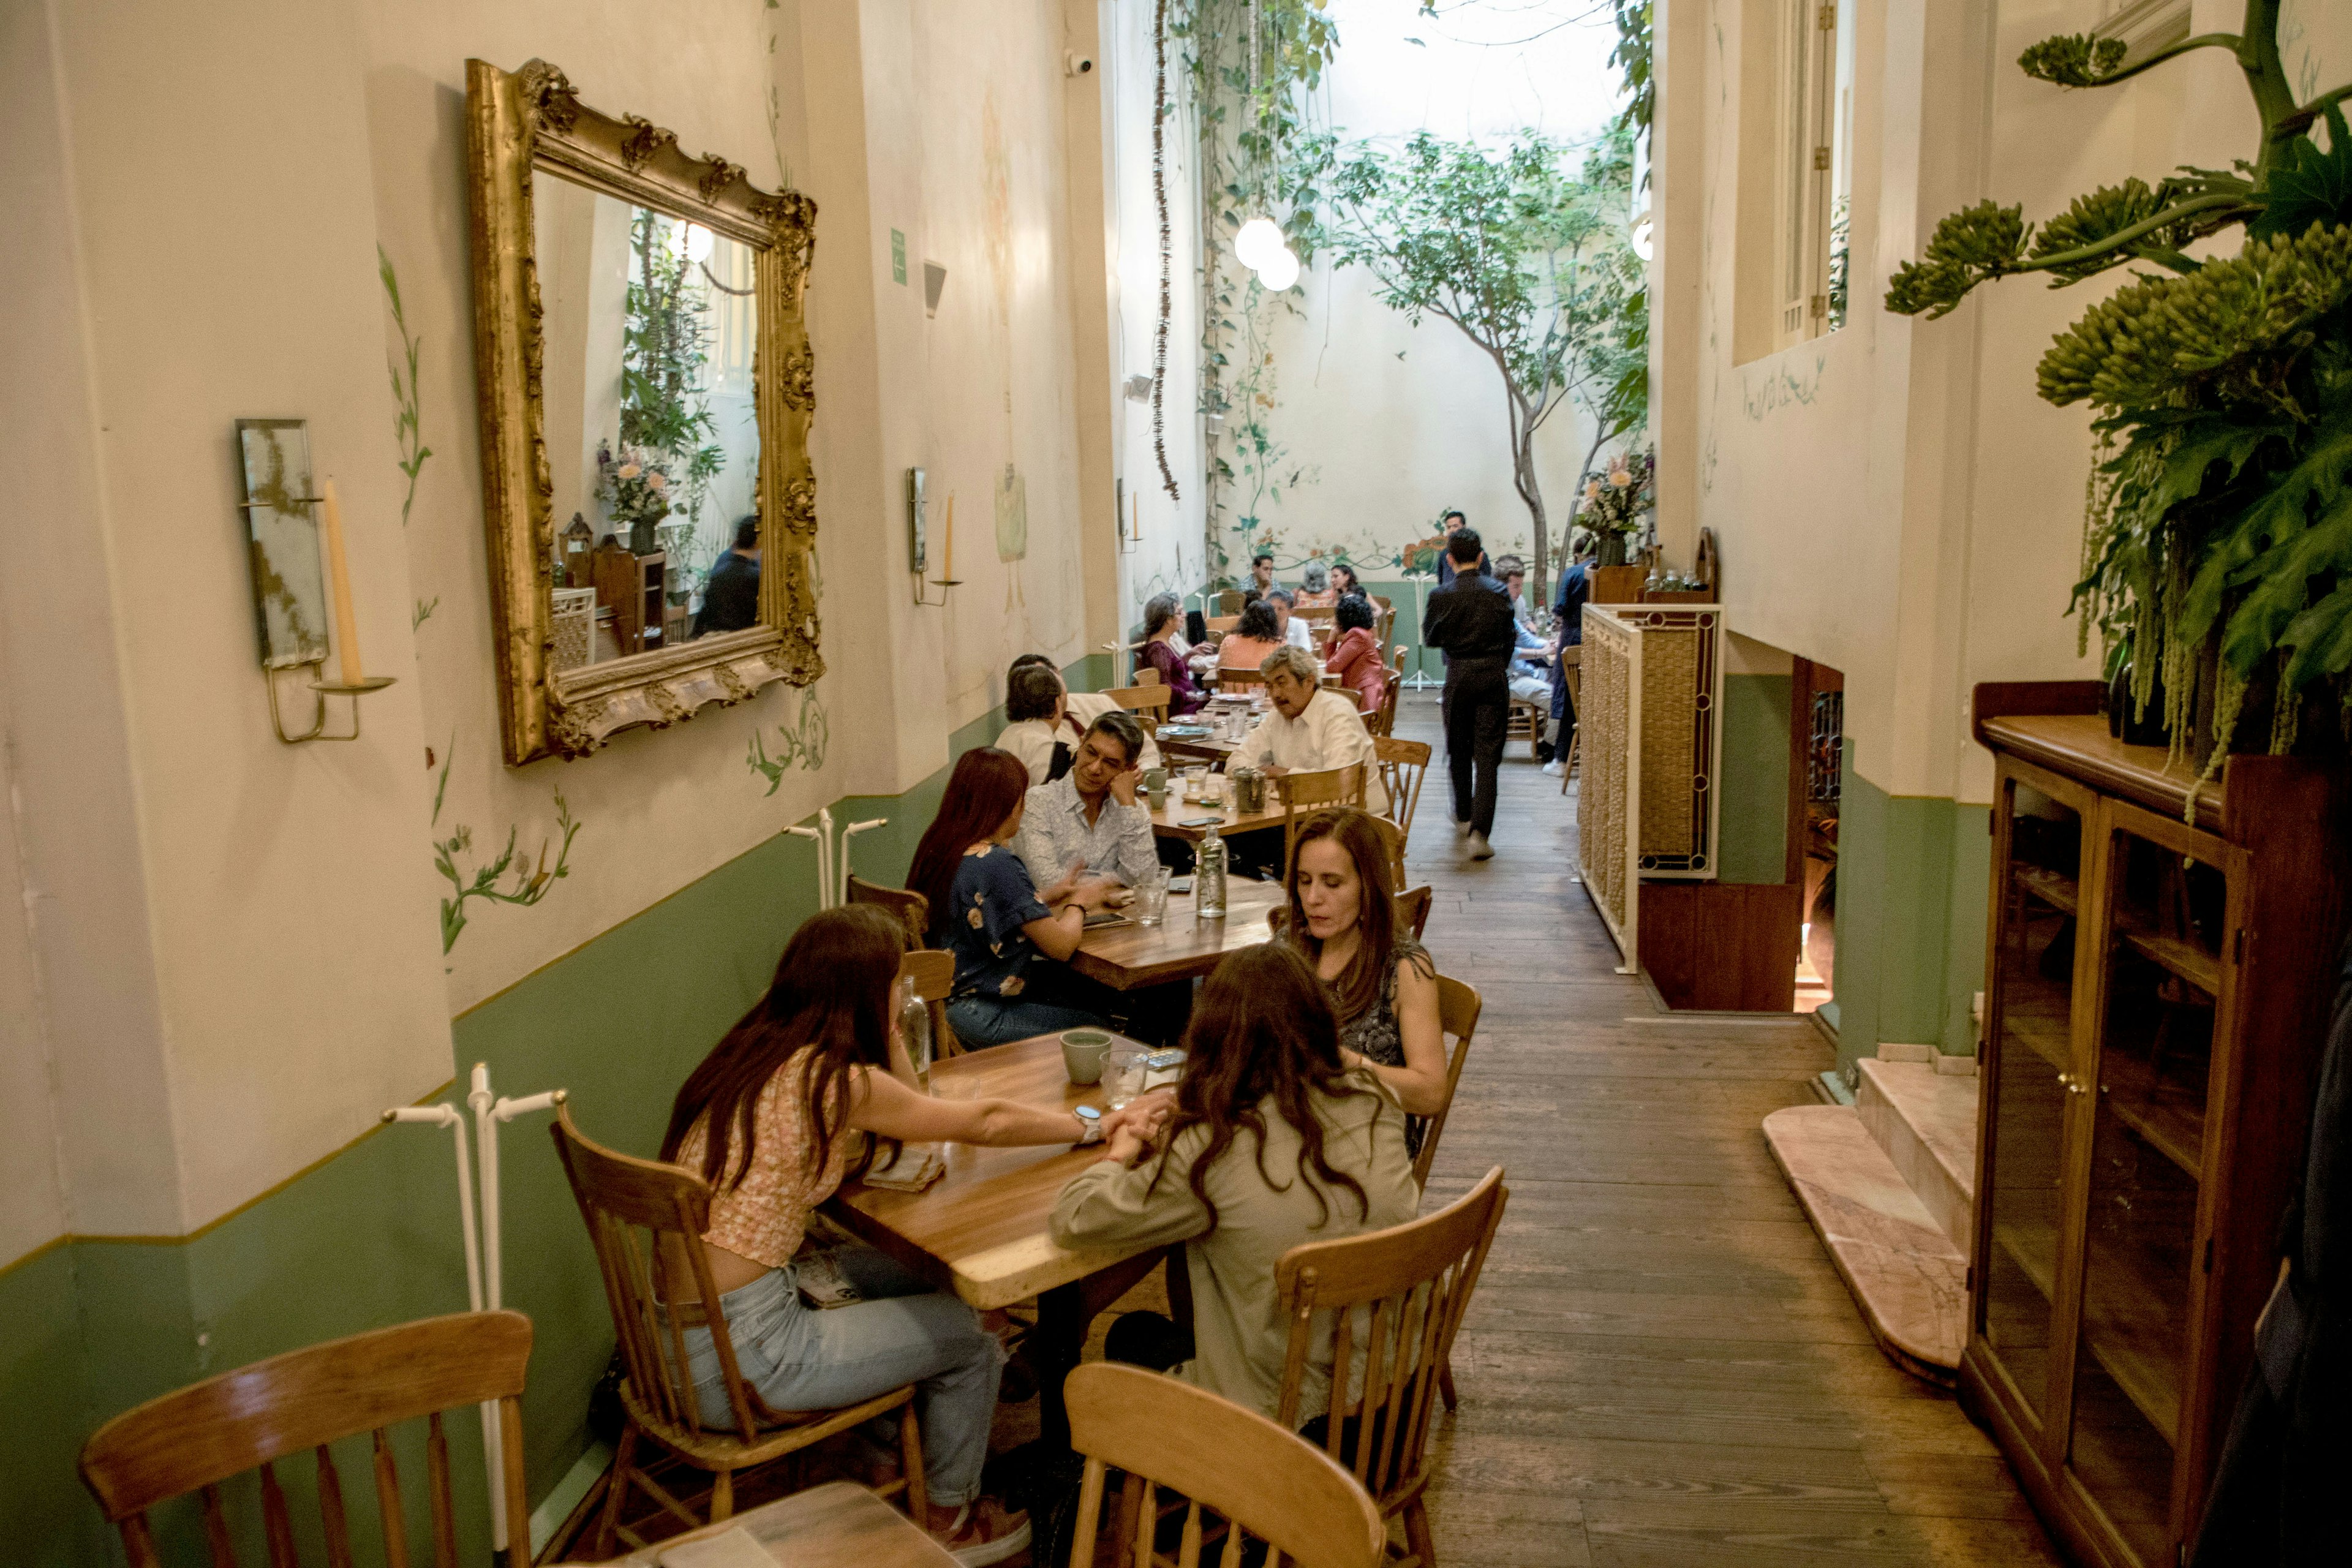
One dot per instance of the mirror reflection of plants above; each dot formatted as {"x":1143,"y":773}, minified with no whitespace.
{"x":2218,"y":527}
{"x":666,"y":419}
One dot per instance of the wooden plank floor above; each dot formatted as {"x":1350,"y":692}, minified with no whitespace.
{"x":1661,"y":1366}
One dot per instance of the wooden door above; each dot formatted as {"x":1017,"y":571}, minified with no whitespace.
{"x":2045,"y":846}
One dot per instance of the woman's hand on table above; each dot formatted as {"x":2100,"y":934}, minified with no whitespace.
{"x":1147,"y":1113}
{"x":1060,"y":893}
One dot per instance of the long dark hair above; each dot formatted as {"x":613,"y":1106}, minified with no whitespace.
{"x":1262,"y":1026}
{"x":831,"y":996}
{"x":986,"y":785}
{"x":1377,"y":947}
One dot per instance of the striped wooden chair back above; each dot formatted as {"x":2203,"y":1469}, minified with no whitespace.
{"x":196,"y":1438}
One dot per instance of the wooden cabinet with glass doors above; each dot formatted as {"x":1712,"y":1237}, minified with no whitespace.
{"x":2157,"y":987}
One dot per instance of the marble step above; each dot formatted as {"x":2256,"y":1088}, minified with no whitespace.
{"x":1905,"y":1273}
{"x":1926,"y":1123}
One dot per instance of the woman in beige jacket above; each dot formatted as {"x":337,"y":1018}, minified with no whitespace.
{"x":1271,"y":1143}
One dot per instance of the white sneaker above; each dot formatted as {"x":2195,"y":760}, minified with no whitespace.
{"x":1479,"y":849}
{"x":1553,"y":769}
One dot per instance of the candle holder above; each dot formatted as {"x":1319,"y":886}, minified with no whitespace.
{"x":946,"y":585}
{"x":321,"y":689}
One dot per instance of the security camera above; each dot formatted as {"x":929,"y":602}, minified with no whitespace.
{"x":1077,"y":64}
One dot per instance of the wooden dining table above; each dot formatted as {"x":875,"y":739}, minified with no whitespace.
{"x":837,"y":1525}
{"x":1178,"y":819}
{"x":1130,"y":957}
{"x":980,"y":1231}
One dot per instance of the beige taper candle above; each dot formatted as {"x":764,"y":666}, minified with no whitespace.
{"x":338,"y":579}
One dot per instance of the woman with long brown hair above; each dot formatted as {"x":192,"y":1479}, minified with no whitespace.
{"x":1384,"y":987}
{"x":1011,"y":941}
{"x":1273,"y":1142}
{"x":767,"y":1120}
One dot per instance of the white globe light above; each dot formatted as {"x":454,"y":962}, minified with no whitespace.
{"x":1257,"y":242}
{"x":1642,"y":241}
{"x":1280,"y":272}
{"x":697,"y":243}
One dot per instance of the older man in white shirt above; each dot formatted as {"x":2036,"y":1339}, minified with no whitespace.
{"x":1309,"y":729}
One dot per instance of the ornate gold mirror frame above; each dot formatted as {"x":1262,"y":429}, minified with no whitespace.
{"x":531,"y":118}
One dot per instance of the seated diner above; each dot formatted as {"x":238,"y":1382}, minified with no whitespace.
{"x":1382,"y":985}
{"x":1307,"y":728}
{"x":1076,"y":709}
{"x":1258,"y":635}
{"x":1273,"y":1142}
{"x":1011,"y":939}
{"x":770,"y":1119}
{"x":1164,"y":651}
{"x":1035,"y":736}
{"x":1355,"y":656}
{"x":1088,"y":823}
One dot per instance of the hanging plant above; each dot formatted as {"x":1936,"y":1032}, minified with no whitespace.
{"x":2218,"y":526}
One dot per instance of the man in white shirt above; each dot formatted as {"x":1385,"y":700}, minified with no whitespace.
{"x":1295,"y":631}
{"x":1309,"y":729}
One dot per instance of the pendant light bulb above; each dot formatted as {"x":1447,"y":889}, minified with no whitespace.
{"x":1280,"y":271}
{"x":1257,"y":242}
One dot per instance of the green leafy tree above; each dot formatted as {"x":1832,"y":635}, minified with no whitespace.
{"x":2217,"y":533}
{"x":1529,"y":262}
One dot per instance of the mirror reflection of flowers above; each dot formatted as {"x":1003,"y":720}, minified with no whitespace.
{"x":1618,"y":498}
{"x":635,"y":493}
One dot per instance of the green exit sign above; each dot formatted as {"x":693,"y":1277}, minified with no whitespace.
{"x":898,"y":257}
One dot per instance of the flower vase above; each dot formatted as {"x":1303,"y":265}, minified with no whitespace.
{"x":1612,"y":550}
{"x":641,"y":537}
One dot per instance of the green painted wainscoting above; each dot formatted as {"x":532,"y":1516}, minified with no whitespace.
{"x":1912,"y":878}
{"x":1752,"y":814}
{"x":369,"y":1235}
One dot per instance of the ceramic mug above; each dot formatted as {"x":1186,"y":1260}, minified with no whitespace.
{"x":1082,"y":1054}
{"x":1155,"y":784}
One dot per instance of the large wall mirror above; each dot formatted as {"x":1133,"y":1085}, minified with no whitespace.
{"x":645,"y":394}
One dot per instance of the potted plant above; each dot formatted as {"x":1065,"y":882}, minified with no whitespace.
{"x":2218,"y":534}
{"x":1617,"y":504}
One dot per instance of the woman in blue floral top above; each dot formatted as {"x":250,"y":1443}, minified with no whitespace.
{"x":1009,"y":937}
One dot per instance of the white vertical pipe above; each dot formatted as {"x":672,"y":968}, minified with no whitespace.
{"x":449,"y":1116}
{"x":812,"y":833}
{"x":485,"y":1145}
{"x":825,"y":877}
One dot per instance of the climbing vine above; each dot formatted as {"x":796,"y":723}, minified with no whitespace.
{"x":1251,"y":67}
{"x":800,"y":744}
{"x":406,"y":420}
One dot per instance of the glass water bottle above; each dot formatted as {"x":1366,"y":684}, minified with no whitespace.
{"x":1209,"y":879}
{"x":915,"y":1030}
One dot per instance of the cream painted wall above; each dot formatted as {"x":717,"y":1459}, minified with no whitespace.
{"x":1172,"y":555}
{"x":222,"y":237}
{"x":236,"y":942}
{"x":1892,"y":500}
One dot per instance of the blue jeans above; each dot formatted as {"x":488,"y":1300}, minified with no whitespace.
{"x":985,"y":1021}
{"x":800,"y":1358}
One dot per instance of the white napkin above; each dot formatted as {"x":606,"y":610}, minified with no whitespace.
{"x":918,"y":1165}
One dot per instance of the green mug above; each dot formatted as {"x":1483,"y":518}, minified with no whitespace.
{"x":1083,"y":1052}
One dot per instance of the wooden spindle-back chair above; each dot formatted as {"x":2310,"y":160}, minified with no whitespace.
{"x":197,"y":1438}
{"x":1383,"y":717}
{"x":1264,"y":1480}
{"x":1458,"y":1007}
{"x":647,"y":1220}
{"x":1148,"y":702}
{"x":1390,"y":1300}
{"x":1307,"y":793}
{"x":932,"y":976}
{"x":1403,"y":765}
{"x":913,"y":911}
{"x":1412,"y":909}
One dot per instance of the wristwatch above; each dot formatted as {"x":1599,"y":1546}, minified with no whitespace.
{"x":1090,"y":1119}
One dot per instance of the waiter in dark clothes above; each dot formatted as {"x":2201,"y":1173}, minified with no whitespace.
{"x":730,"y":594}
{"x":1471,"y":623}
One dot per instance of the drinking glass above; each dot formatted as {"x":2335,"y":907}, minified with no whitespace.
{"x":1123,"y":1073}
{"x":1151,"y":899}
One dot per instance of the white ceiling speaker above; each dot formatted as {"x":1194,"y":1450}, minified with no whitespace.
{"x":1257,"y":242}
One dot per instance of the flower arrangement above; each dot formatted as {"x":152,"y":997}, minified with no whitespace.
{"x":1618,"y":500}
{"x":635,"y":493}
